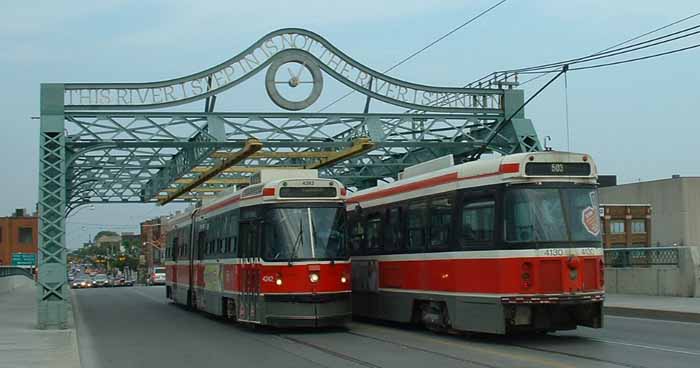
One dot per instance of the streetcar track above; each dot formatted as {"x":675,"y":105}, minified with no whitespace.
{"x":666,"y":349}
{"x":579,"y":356}
{"x":332,"y":352}
{"x":406,"y":346}
{"x":574,"y":355}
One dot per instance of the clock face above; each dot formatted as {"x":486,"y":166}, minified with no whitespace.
{"x":294,"y":81}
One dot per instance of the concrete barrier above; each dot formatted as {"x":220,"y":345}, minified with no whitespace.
{"x":9,"y":283}
{"x":682,"y":280}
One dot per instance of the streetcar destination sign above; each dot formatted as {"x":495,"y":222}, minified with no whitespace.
{"x":558,"y":168}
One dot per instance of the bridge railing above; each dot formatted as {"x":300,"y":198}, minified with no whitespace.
{"x":15,"y":271}
{"x":642,"y":257}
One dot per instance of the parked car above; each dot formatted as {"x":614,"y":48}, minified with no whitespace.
{"x":157,"y":277}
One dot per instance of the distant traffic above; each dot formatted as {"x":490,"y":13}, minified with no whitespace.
{"x":82,"y":277}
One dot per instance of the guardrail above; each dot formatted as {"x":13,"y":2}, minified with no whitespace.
{"x":15,"y":271}
{"x":641,"y":257}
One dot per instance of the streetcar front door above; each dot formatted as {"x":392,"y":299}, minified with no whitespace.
{"x":250,"y":288}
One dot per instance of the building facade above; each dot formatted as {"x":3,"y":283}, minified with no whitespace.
{"x":111,"y":243}
{"x":626,"y":225}
{"x":153,"y":238}
{"x":675,"y":203}
{"x":19,"y":238}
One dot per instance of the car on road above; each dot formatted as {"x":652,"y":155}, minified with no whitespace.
{"x":100,"y":280}
{"x":81,"y":282}
{"x":157,"y":277}
{"x":115,"y":281}
{"x":118,"y":281}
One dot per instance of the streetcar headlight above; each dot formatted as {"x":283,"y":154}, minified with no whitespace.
{"x":313,"y":277}
{"x":343,"y":279}
{"x":278,"y":282}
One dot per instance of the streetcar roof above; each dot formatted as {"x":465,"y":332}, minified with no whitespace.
{"x":258,"y":193}
{"x":515,"y":168}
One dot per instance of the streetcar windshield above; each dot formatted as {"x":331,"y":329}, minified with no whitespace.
{"x":552,"y":215}
{"x":305,"y":233}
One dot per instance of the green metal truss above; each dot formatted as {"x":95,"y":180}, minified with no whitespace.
{"x":119,"y":143}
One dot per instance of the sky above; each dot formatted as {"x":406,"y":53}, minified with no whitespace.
{"x":637,"y":120}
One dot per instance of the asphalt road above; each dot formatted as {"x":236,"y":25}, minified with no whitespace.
{"x":137,"y":327}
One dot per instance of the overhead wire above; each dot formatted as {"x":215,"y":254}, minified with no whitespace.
{"x":615,"y":52}
{"x":416,"y":53}
{"x":651,"y":32}
{"x":609,"y":50}
{"x":637,"y":59}
{"x":566,"y":112}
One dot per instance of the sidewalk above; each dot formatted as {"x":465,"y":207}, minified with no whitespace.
{"x":24,"y":346}
{"x":654,"y":307}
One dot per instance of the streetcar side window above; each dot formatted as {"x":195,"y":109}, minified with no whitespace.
{"x":174,"y":246}
{"x":201,"y":244}
{"x":440,"y":223}
{"x":227,"y":245}
{"x":232,"y":234}
{"x":477,"y":223}
{"x":417,"y":213}
{"x":374,"y":239}
{"x":357,"y":235}
{"x":393,"y":234}
{"x":249,"y":240}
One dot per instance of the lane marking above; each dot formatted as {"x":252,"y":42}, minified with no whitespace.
{"x":653,"y":320}
{"x":467,"y":346}
{"x":652,"y":347}
{"x":149,"y":297}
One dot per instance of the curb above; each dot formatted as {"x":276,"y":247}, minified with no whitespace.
{"x":72,"y":320}
{"x":652,"y":314}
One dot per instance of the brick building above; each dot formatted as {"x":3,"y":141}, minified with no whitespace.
{"x":19,"y":234}
{"x":153,"y":241}
{"x":675,"y":203}
{"x":626,"y":225}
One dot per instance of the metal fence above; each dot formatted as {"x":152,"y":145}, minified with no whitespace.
{"x":641,"y":257}
{"x":15,"y":271}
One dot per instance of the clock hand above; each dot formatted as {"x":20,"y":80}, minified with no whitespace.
{"x":301,"y":69}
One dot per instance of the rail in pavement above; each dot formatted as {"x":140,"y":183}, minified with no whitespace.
{"x":22,"y":345}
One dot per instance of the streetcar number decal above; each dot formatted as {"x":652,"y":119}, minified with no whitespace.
{"x":561,"y":252}
{"x":268,"y":278}
{"x":554,"y":252}
{"x":557,"y":168}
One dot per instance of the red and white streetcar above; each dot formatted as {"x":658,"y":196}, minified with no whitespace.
{"x":273,"y":253}
{"x":499,"y":246}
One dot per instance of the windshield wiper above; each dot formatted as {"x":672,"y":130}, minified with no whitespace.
{"x":297,"y":242}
